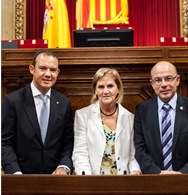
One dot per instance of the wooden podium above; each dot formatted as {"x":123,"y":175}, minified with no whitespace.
{"x":84,"y":185}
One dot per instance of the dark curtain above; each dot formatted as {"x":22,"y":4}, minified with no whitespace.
{"x":71,"y":7}
{"x":150,"y":19}
{"x":34,"y":18}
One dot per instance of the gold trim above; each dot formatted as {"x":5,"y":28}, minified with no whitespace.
{"x":20,"y":9}
{"x":184,"y":17}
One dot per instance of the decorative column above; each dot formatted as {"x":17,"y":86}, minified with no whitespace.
{"x":20,"y":19}
{"x":184,"y":17}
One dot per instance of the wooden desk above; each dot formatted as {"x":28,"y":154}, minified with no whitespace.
{"x":78,"y":66}
{"x":84,"y":185}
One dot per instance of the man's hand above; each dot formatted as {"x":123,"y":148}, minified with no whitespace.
{"x":135,"y":173}
{"x":59,"y":171}
{"x":170,"y":173}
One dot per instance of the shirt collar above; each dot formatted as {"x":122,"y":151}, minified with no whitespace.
{"x":36,"y":92}
{"x":172,"y":102}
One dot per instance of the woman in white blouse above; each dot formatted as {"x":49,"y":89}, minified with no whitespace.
{"x":104,"y":130}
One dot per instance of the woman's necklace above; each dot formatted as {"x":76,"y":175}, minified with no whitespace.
{"x":109,"y":114}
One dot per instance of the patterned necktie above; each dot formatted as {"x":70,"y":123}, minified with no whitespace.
{"x":43,"y":120}
{"x":167,"y":137}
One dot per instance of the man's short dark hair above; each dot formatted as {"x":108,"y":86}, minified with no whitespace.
{"x":46,"y":52}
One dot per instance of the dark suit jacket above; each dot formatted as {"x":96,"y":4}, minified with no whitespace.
{"x":147,"y":137}
{"x":22,"y":146}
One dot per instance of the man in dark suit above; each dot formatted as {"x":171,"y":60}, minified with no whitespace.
{"x":25,"y":150}
{"x":156,"y":153}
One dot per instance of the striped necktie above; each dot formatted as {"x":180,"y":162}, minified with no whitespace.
{"x":43,"y":120}
{"x":167,"y":137}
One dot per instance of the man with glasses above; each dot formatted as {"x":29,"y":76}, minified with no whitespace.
{"x":161,"y":125}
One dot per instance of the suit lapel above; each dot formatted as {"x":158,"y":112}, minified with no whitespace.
{"x":122,"y":121}
{"x":154,"y":125}
{"x":54,"y":107}
{"x":180,"y":112}
{"x":29,"y":105}
{"x":95,"y":116}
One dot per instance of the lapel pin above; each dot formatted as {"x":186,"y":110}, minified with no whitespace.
{"x":181,"y":107}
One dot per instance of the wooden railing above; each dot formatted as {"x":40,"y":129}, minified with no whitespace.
{"x":84,"y":185}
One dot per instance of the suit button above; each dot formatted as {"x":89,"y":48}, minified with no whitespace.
{"x":41,"y":171}
{"x":118,"y":158}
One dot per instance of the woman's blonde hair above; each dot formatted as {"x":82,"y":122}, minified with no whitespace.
{"x":113,"y":73}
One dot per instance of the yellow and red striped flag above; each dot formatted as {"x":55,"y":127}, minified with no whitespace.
{"x":56,"y":24}
{"x":83,"y":16}
{"x":90,"y":12}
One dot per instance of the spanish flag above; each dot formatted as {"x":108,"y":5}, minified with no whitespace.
{"x":56,"y":24}
{"x":90,"y":12}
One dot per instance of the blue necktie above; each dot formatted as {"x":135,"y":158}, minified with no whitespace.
{"x":167,"y":137}
{"x":43,"y":120}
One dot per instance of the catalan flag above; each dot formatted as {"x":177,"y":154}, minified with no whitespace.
{"x":83,"y":16}
{"x":90,"y":12}
{"x":56,"y":24}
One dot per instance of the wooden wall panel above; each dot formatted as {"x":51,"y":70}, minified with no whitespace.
{"x":78,"y":65}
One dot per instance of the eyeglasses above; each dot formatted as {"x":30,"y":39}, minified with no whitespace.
{"x":158,"y":81}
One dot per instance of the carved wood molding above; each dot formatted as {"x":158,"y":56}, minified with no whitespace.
{"x":79,"y":65}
